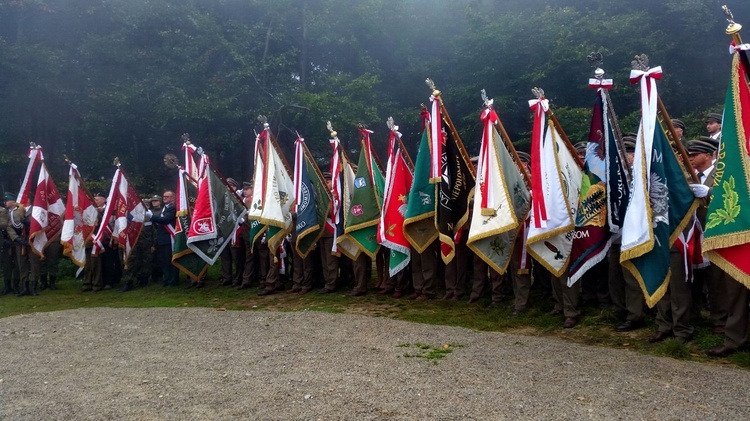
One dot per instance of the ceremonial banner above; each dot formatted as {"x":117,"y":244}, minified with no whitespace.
{"x":277,"y":201}
{"x":46,"y":215}
{"x":728,"y":219}
{"x":183,"y":257}
{"x":124,"y":205}
{"x":661,"y":204}
{"x":501,"y":201}
{"x":192,"y":169}
{"x":342,"y":182}
{"x":259,"y":184}
{"x":313,"y":199}
{"x":216,"y":216}
{"x":556,"y":186}
{"x":35,"y":157}
{"x":398,"y":181}
{"x":419,"y":221}
{"x":80,"y":219}
{"x":591,"y":238}
{"x":361,"y":220}
{"x":456,"y":183}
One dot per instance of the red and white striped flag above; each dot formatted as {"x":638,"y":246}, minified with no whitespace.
{"x":80,"y":219}
{"x":46,"y":221}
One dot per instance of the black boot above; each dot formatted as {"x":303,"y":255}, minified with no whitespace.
{"x":127,"y":287}
{"x":32,"y":289}
{"x":7,"y":289}
{"x":43,"y":283}
{"x":24,"y":289}
{"x":52,"y":280}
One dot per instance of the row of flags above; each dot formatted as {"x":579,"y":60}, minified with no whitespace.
{"x":566,"y":213}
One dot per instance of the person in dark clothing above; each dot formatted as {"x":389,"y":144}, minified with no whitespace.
{"x":164,"y":229}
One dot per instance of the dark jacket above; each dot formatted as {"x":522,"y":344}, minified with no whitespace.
{"x":164,"y":224}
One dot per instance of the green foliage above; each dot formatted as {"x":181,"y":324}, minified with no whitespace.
{"x":96,"y":79}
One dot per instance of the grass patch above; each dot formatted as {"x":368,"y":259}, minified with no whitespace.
{"x":428,"y":352}
{"x":596,"y":326}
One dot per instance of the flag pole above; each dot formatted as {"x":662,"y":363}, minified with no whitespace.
{"x":512,"y":149}
{"x":596,"y":60}
{"x":263,"y":120}
{"x":680,"y":148}
{"x":506,"y":140}
{"x":447,"y":118}
{"x":733,"y":29}
{"x":374,"y":155}
{"x":618,"y":136}
{"x":316,"y":168}
{"x":539,"y":93}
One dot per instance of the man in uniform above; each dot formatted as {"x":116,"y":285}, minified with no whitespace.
{"x":92,"y":271}
{"x":302,"y":268}
{"x":17,"y":233}
{"x":7,"y":249}
{"x":329,"y":260}
{"x":251,"y":272}
{"x":424,"y":271}
{"x":137,"y":267}
{"x":679,"y":128}
{"x":701,"y":154}
{"x":713,"y":125}
{"x":625,"y":292}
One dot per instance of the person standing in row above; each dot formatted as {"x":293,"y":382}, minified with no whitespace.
{"x":163,"y":249}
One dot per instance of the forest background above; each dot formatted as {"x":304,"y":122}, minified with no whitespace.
{"x":95,"y":79}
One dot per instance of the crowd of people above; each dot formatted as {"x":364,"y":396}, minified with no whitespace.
{"x":247,"y":264}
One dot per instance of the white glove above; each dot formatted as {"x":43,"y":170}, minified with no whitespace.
{"x":699,"y":190}
{"x":240,"y":221}
{"x":149,"y":214}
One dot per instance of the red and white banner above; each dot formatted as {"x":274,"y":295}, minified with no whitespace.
{"x":46,"y":221}
{"x":80,"y":219}
{"x":35,"y":157}
{"x":398,"y":180}
{"x":124,"y":205}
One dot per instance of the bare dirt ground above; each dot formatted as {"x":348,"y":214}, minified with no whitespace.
{"x":185,"y":364}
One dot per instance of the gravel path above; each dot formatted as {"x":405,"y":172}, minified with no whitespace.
{"x":185,"y":364}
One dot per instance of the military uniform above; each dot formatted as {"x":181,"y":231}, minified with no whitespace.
{"x":362,"y":268}
{"x":479,"y":280}
{"x":424,"y":272}
{"x":329,"y":261}
{"x":18,"y":233}
{"x":49,"y":266}
{"x":92,"y":271}
{"x":456,"y":273}
{"x":302,"y":268}
{"x":7,"y":253}
{"x":137,"y":267}
{"x":566,"y":297}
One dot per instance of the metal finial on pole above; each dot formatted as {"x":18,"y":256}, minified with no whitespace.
{"x":640,"y":62}
{"x":263,"y":120}
{"x":537,"y":92}
{"x":391,"y":124}
{"x":486,"y":100}
{"x":186,"y":138}
{"x":116,"y":162}
{"x":329,"y":126}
